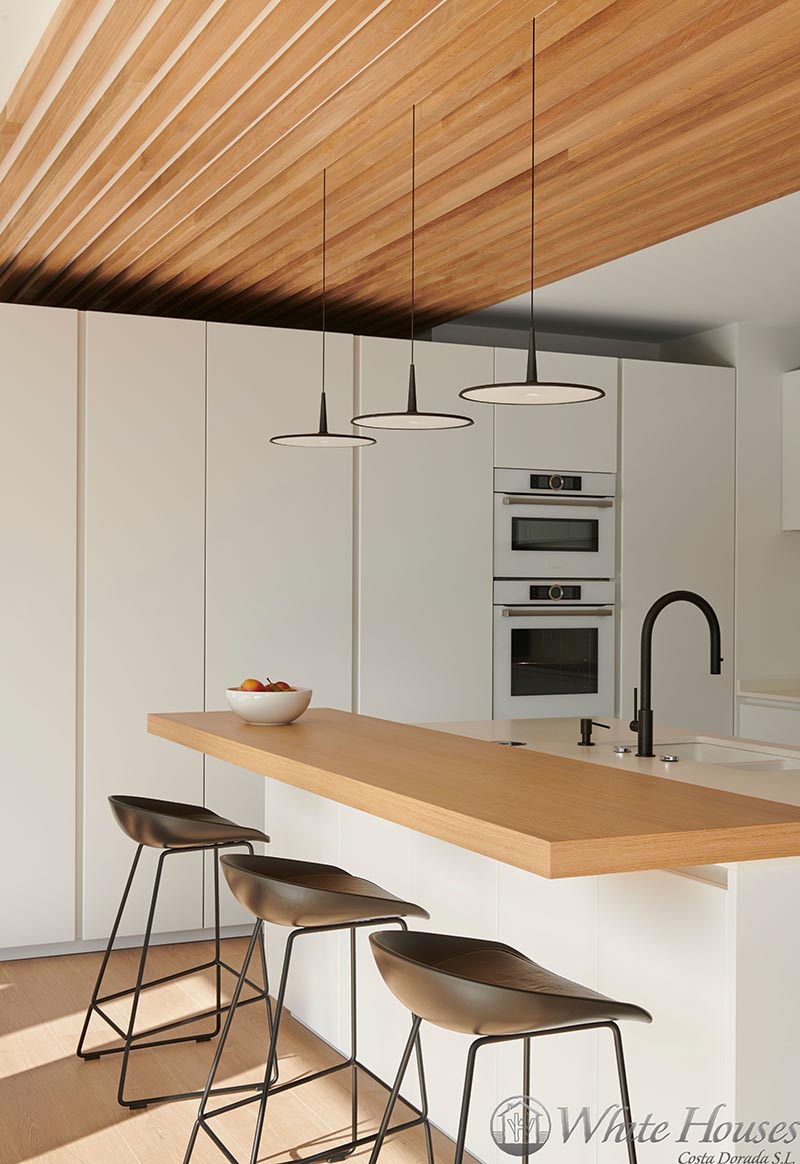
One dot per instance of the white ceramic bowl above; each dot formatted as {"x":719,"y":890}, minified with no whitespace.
{"x":269,"y":707}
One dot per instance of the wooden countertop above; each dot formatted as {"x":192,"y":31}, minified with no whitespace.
{"x":547,"y":814}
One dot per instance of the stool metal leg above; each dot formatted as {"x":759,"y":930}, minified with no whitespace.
{"x":423,"y":1093}
{"x":526,"y":1078}
{"x":272,"y":1058}
{"x":466,"y":1097}
{"x":394,"y":1093}
{"x":217,"y":946}
{"x":624,"y":1093}
{"x":138,"y":988}
{"x":255,"y":937}
{"x":354,"y":1033}
{"x":101,"y":973}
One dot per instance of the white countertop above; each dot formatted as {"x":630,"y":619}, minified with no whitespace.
{"x":773,"y":690}
{"x":559,"y":737}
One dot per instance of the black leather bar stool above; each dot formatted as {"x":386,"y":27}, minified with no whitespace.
{"x":491,"y":990}
{"x":309,"y":898}
{"x":173,"y":828}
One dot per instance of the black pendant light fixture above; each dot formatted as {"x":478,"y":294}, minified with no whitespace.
{"x":532,"y":390}
{"x":412,"y":418}
{"x":322,"y":439}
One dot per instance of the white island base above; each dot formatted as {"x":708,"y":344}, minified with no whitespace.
{"x":711,"y":952}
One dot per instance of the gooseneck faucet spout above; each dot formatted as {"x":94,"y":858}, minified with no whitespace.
{"x":643,"y":721}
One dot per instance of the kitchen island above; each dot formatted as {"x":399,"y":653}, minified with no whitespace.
{"x":670,"y":885}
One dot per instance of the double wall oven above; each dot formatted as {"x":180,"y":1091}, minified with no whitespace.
{"x":554,"y":589}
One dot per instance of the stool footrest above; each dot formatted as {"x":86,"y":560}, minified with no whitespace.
{"x":136,"y":1045}
{"x":335,"y":1152}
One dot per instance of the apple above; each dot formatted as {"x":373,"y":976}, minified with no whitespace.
{"x":252,"y":685}
{"x":281,"y":686}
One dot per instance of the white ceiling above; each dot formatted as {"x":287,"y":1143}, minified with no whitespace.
{"x":22,"y":23}
{"x":743,"y":269}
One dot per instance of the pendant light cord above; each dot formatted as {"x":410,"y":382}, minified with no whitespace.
{"x":413,"y":217}
{"x":533,"y":158}
{"x":324,"y":264}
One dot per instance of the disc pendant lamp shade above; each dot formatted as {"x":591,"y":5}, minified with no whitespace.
{"x":411,"y":417}
{"x":322,"y":438}
{"x":532,"y":390}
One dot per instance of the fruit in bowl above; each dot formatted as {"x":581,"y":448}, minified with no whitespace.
{"x":268,"y":703}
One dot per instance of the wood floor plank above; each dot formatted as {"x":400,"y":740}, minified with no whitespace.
{"x":56,"y":1109}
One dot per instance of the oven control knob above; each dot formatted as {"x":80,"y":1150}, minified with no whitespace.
{"x":556,"y":481}
{"x":555,"y":593}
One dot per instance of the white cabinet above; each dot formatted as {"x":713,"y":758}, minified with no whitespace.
{"x":774,"y":723}
{"x":574,"y":437}
{"x":791,"y":450}
{"x":279,"y":534}
{"x":144,"y":449}
{"x":677,"y":533}
{"x":38,"y":393}
{"x":425,"y":541}
{"x":665,"y":943}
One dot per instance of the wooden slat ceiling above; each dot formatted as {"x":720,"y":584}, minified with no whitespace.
{"x":165,"y":156}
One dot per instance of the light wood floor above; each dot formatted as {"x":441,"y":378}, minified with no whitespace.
{"x":58,"y":1109}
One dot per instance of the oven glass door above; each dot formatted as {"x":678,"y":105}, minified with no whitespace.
{"x":541,"y":538}
{"x":553,"y":663}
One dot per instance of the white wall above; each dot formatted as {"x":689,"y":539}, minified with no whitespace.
{"x":516,"y":337}
{"x":767,"y":557}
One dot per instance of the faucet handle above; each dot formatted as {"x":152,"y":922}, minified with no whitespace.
{"x":634,"y":724}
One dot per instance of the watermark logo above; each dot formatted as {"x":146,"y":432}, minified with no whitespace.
{"x":520,"y":1125}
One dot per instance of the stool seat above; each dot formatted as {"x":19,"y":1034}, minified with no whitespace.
{"x":168,"y":824}
{"x":485,"y":987}
{"x":305,"y":893}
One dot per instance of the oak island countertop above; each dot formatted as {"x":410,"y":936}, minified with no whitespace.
{"x":551,"y":814}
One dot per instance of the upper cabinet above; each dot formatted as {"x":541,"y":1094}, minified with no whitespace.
{"x":143,"y":617}
{"x":566,"y":438}
{"x":791,"y":450}
{"x":38,"y":475}
{"x":425,"y":541}
{"x":677,"y":533}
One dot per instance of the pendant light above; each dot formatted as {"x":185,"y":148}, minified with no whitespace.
{"x":412,"y":418}
{"x":322,"y":439}
{"x":532,"y":390}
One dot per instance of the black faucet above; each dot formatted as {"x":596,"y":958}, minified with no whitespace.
{"x":642,"y":722}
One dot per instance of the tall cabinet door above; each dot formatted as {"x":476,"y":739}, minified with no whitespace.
{"x":425,"y":508}
{"x":279,"y":537}
{"x":677,"y":533}
{"x":143,"y":603}
{"x":571,"y":438}
{"x":38,"y":399}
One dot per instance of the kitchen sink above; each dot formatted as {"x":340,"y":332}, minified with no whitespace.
{"x":727,"y":755}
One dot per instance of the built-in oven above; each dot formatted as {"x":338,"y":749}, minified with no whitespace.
{"x":553,"y":525}
{"x":554,"y":648}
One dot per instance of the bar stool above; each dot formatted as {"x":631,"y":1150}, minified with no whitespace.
{"x":491,"y":990}
{"x":309,"y":898}
{"x":174,"y":828}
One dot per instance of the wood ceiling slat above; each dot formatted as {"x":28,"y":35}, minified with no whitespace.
{"x":683,"y":53}
{"x":566,"y":20}
{"x":570,"y":190}
{"x":197,"y":191}
{"x":59,"y":36}
{"x":638,"y":200}
{"x":645,"y":8}
{"x":53,"y":189}
{"x":154,"y":135}
{"x":244,"y":125}
{"x":378,"y":173}
{"x":107,"y":45}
